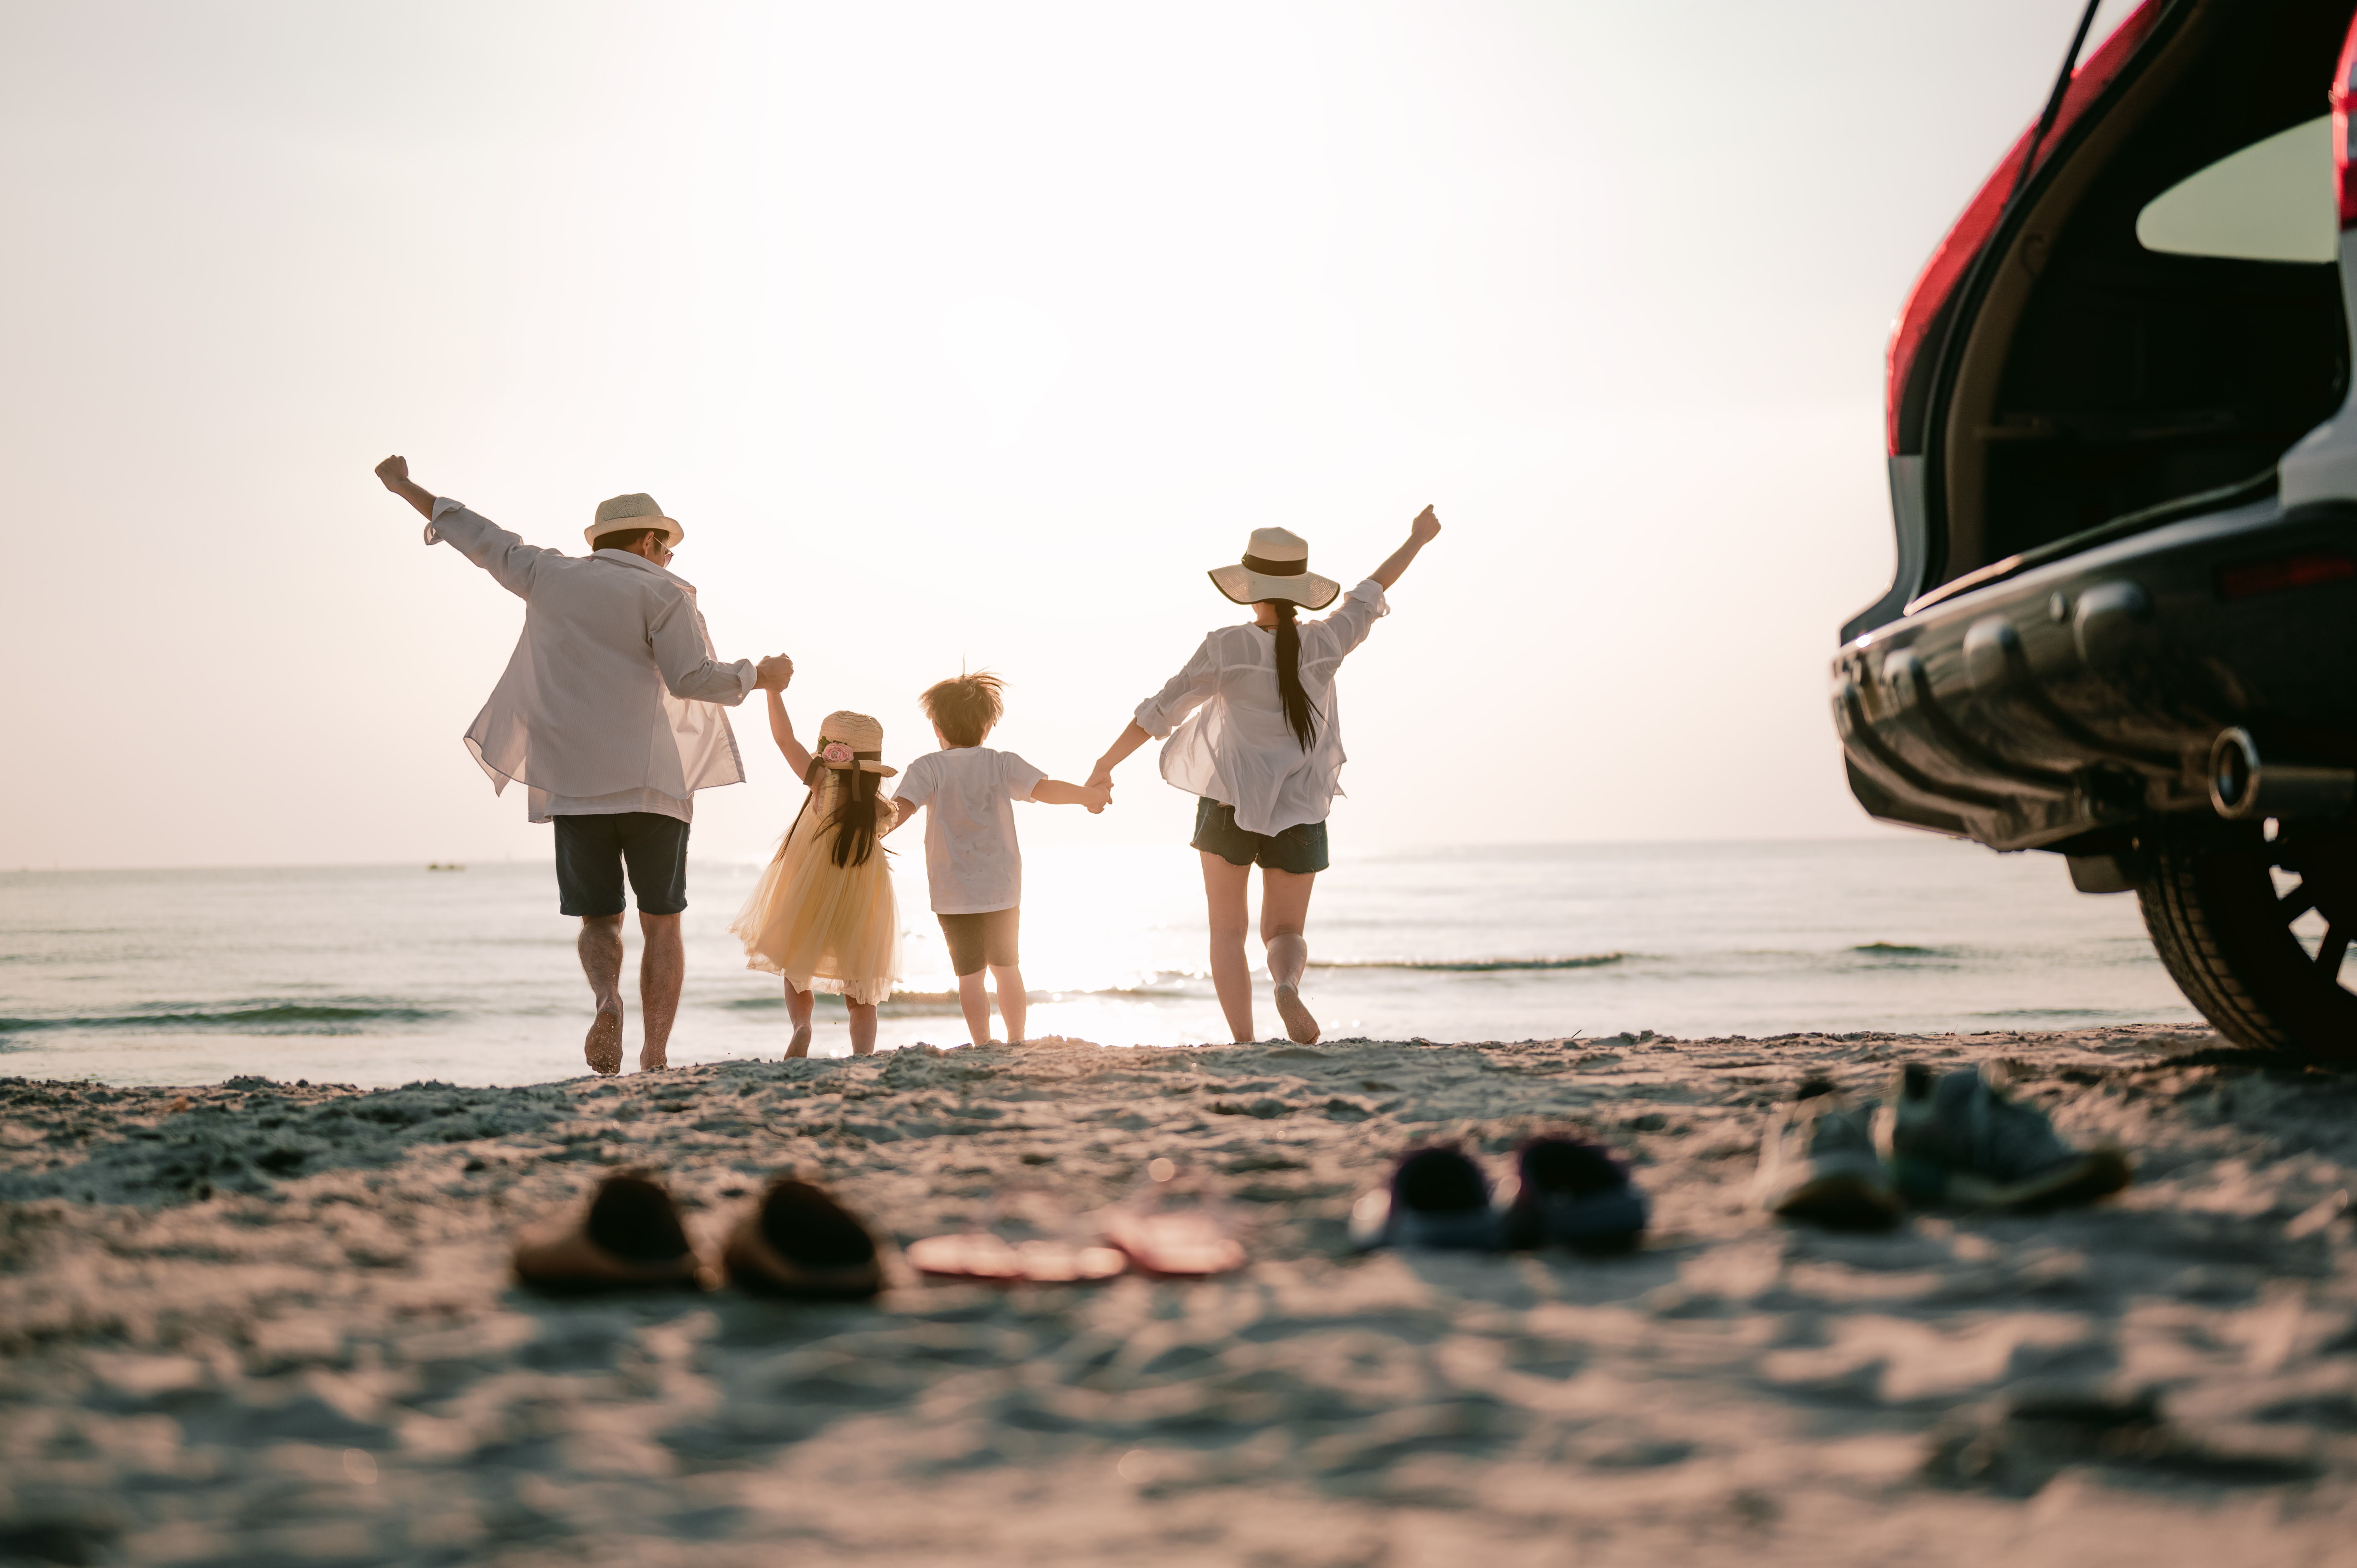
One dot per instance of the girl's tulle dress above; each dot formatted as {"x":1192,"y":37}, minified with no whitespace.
{"x":821,"y":926}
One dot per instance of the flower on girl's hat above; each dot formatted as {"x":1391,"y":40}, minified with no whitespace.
{"x":835,"y":754}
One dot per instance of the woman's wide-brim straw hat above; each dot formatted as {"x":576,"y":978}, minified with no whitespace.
{"x":1275,"y":566}
{"x":862,"y":734}
{"x":632,"y":511}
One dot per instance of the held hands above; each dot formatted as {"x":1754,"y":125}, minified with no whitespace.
{"x":1057,"y":792}
{"x":1420,"y":532}
{"x":773,"y":674}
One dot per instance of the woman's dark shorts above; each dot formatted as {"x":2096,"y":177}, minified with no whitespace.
{"x":592,"y":850}
{"x":1300,"y":849}
{"x":977,"y":940}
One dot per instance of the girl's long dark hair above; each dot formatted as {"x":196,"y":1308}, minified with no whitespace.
{"x":1299,"y":715}
{"x":855,"y":819}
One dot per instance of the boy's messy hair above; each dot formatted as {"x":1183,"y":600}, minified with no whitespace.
{"x":964,"y":708}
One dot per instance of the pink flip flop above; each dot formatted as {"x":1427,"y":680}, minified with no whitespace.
{"x":1026,"y":1235}
{"x":981,"y":1256}
{"x":1174,"y":1227}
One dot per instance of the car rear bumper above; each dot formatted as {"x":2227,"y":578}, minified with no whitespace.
{"x":2086,"y":695}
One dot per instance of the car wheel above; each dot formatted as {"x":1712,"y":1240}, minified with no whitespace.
{"x":2257,"y":933}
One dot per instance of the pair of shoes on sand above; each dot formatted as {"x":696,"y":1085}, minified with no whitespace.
{"x":1174,"y":1227}
{"x":1565,"y":1192}
{"x":796,"y":1242}
{"x":1950,"y":1140}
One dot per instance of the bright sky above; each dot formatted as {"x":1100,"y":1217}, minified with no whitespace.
{"x":962,"y":333}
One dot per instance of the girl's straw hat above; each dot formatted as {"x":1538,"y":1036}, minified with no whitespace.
{"x":1275,"y":566}
{"x":632,"y":512}
{"x":849,"y":740}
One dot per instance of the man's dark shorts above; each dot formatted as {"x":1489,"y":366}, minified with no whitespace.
{"x":977,"y":940}
{"x":592,"y":850}
{"x":1300,"y":849}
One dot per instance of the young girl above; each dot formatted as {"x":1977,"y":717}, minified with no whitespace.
{"x":822,"y":914}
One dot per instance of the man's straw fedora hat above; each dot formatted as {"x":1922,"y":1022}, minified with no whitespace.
{"x":1275,"y":566}
{"x":632,"y":511}
{"x":861,"y":739}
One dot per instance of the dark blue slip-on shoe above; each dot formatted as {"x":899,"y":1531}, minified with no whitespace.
{"x":1573,"y":1195}
{"x":1436,"y":1198}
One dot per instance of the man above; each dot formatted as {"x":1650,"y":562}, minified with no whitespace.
{"x":609,"y":716}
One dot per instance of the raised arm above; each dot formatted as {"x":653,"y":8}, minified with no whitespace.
{"x":394,"y":472}
{"x":782,"y":730}
{"x":1421,"y":532}
{"x":503,"y":554}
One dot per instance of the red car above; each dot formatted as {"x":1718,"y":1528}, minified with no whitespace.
{"x":2124,"y":478}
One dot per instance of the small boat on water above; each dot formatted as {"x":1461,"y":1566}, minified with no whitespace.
{"x":438,"y":865}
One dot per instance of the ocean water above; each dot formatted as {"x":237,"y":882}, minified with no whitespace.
{"x":386,"y":974}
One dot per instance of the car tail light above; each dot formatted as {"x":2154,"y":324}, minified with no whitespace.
{"x":2305,"y":570}
{"x":2344,"y":177}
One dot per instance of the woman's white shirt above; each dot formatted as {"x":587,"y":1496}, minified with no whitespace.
{"x":1236,"y":748}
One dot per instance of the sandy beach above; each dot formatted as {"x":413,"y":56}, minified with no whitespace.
{"x":260,"y":1323}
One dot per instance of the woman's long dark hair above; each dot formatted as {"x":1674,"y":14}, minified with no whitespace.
{"x":1299,"y":715}
{"x":855,"y":819}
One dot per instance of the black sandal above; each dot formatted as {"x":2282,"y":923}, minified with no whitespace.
{"x":799,"y":1243}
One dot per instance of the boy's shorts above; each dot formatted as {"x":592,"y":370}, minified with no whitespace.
{"x":977,"y":940}
{"x":592,"y":850}
{"x":1300,"y":849}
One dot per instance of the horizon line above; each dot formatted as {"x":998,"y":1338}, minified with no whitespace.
{"x":1893,"y":836}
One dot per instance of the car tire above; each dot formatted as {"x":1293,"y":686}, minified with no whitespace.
{"x":2228,"y":938}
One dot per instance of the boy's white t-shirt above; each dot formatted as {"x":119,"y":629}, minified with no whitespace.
{"x":971,"y":858}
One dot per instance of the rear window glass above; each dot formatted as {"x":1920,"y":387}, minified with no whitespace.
{"x":2272,"y":201}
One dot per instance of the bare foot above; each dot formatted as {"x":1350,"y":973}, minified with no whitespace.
{"x":603,"y":1049}
{"x":652,"y":1063}
{"x":1299,"y":1026}
{"x":801,"y":1046}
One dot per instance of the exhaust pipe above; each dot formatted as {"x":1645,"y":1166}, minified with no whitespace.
{"x":2244,"y":785}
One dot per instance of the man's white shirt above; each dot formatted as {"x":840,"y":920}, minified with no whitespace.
{"x":612,"y":701}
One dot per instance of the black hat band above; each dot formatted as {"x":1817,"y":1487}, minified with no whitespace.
{"x":1277,"y":568}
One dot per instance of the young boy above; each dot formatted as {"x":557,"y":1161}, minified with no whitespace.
{"x":970,"y":856}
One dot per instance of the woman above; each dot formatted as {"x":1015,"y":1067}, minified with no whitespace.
{"x":1263,"y":750}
